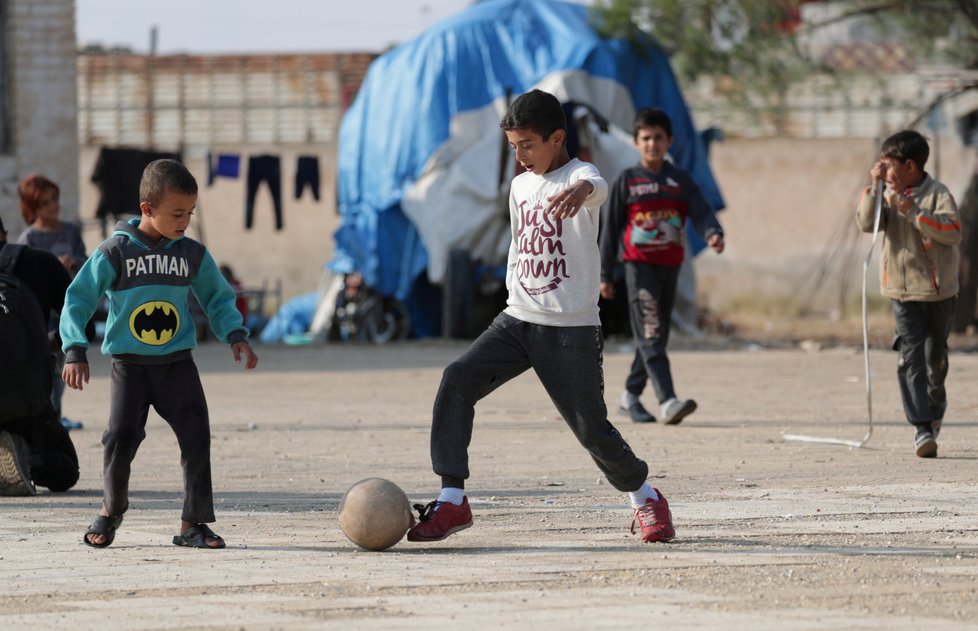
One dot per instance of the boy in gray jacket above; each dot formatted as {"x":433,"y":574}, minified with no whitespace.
{"x":919,"y":273}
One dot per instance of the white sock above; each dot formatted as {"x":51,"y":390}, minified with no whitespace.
{"x":666,"y":404}
{"x":639,"y":497}
{"x":628,"y":399}
{"x":453,"y":495}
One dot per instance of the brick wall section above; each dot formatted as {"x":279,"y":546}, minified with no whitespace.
{"x":41,"y":62}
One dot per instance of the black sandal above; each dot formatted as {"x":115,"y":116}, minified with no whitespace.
{"x":196,"y":537}
{"x":105,"y":526}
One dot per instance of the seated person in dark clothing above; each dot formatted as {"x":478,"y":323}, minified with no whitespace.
{"x":34,"y":448}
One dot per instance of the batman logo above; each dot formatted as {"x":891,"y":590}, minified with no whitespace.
{"x":154,"y":323}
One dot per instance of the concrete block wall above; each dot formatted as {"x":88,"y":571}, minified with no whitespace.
{"x":39,"y":58}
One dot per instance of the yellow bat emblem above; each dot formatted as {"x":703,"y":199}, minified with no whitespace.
{"x":154,"y":323}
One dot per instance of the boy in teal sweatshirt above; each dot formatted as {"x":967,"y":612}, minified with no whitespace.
{"x":147,"y":268}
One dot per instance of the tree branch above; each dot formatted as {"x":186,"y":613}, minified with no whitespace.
{"x":872,"y":9}
{"x":970,"y":10}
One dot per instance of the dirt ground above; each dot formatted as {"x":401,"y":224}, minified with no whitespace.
{"x":770,"y":533}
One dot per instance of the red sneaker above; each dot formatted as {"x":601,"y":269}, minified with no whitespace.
{"x":654,"y":520}
{"x":437,"y":520}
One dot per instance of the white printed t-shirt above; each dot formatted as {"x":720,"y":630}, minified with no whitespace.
{"x":554,"y":269}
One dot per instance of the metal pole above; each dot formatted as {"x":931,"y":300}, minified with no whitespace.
{"x":869,"y":382}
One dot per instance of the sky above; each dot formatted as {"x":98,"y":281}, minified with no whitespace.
{"x":245,"y":26}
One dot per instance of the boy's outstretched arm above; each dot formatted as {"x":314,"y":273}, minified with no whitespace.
{"x":75,"y":375}
{"x":569,"y":201}
{"x":239,"y":349}
{"x":586,"y":189}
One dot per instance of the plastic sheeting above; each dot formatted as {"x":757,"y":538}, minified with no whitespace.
{"x":420,"y":148}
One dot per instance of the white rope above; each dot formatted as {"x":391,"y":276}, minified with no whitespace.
{"x":869,"y":383}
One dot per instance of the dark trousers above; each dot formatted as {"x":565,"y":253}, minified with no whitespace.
{"x":307,"y":173}
{"x":921,"y":341}
{"x":568,"y":362}
{"x":175,"y":392}
{"x":54,"y":462}
{"x":264,"y":168}
{"x":651,"y":296}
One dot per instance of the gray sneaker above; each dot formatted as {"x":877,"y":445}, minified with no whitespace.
{"x":637,"y":412}
{"x":924,"y":443}
{"x":15,"y":468}
{"x":678,"y":410}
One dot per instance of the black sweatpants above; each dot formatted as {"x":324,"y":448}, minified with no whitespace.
{"x":921,"y":341}
{"x":651,"y":296}
{"x":175,"y":392}
{"x":264,"y":168}
{"x":568,"y":362}
{"x":307,"y":173}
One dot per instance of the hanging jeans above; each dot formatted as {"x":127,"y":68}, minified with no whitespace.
{"x":307,"y":172}
{"x":264,"y":168}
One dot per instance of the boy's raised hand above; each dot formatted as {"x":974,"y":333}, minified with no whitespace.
{"x":75,"y":375}
{"x":902,"y":202}
{"x":244,"y":348}
{"x":878,"y":172}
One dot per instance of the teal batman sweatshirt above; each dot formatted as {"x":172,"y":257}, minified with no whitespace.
{"x":148,"y":285}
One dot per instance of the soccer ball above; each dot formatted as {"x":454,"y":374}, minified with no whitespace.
{"x":375,"y":514}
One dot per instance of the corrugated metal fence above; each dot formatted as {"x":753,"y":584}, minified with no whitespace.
{"x":183,"y":100}
{"x":826,"y":106}
{"x":186,"y":101}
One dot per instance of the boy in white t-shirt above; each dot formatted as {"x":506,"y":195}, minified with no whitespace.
{"x":550,"y":324}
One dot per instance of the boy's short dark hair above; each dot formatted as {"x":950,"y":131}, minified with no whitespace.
{"x":651,"y":117}
{"x":538,"y":111}
{"x":906,"y":145}
{"x":163,"y":176}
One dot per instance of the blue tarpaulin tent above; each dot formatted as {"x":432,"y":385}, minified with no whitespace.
{"x":419,"y":149}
